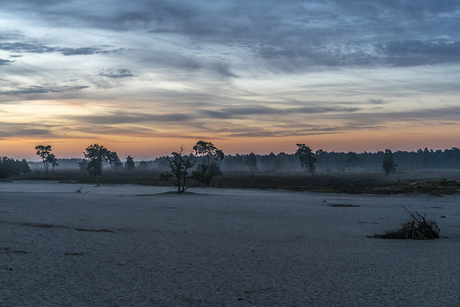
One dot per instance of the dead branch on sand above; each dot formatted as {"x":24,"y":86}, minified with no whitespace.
{"x":417,"y":229}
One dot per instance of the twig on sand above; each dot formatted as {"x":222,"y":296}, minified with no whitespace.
{"x":79,"y":191}
{"x":417,"y":229}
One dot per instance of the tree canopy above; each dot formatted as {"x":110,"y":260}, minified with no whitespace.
{"x":10,"y":167}
{"x":179,"y":170}
{"x":96,"y":154}
{"x":207,"y":157}
{"x":48,"y":158}
{"x":388,"y":163}
{"x":307,"y":160}
{"x":129,"y":165}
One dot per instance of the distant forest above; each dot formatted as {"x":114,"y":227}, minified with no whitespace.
{"x":327,"y":161}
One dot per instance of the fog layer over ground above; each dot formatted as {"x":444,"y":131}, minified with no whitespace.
{"x":126,"y":245}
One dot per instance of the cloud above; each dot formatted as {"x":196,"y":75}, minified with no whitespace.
{"x":171,"y":59}
{"x":5,"y":62}
{"x":293,"y":36}
{"x":78,"y":51}
{"x":285,"y":133}
{"x":117,"y":74}
{"x":26,"y":47}
{"x":116,"y":118}
{"x":24,"y":129}
{"x":376,"y":101}
{"x":20,"y":47}
{"x":416,"y":117}
{"x":418,"y":52}
{"x":223,"y":69}
{"x":229,"y":113}
{"x":115,"y":130}
{"x":43,"y":90}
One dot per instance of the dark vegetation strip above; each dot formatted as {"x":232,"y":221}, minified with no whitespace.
{"x":348,"y":182}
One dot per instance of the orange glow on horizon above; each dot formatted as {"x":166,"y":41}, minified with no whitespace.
{"x":145,"y":148}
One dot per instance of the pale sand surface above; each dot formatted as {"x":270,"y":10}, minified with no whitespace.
{"x":123,"y":245}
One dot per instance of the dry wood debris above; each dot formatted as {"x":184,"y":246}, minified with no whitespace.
{"x":417,"y":229}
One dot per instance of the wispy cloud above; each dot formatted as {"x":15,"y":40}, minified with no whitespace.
{"x":5,"y":62}
{"x":376,"y":101}
{"x":24,"y":129}
{"x":116,"y":74}
{"x":21,"y":47}
{"x":116,"y":118}
{"x":418,"y":52}
{"x":42,"y":90}
{"x":229,"y":113}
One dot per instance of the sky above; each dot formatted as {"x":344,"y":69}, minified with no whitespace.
{"x":145,"y":77}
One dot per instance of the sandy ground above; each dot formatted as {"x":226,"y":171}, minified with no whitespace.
{"x":123,"y":245}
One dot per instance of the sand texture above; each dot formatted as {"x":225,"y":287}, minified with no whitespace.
{"x":124,"y":245}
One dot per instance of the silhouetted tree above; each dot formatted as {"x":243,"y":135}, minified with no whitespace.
{"x":96,"y":154}
{"x":9,"y":167}
{"x":352,"y":158}
{"x":251,"y":161}
{"x":179,"y":173}
{"x":321,"y":154}
{"x":388,"y":164}
{"x":208,"y":155}
{"x":114,"y":161}
{"x":24,"y":166}
{"x":306,"y":158}
{"x":44,"y":152}
{"x":129,"y":165}
{"x":51,"y":159}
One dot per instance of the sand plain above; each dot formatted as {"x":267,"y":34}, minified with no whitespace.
{"x":127,"y":245}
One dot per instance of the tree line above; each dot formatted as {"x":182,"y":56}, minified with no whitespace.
{"x":10,"y":167}
{"x":208,"y":161}
{"x":96,"y":156}
{"x":341,"y":161}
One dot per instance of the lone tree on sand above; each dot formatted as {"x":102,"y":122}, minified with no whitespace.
{"x":388,"y":164}
{"x":306,"y":158}
{"x":96,"y":154}
{"x":179,"y":165}
{"x":206,"y":155}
